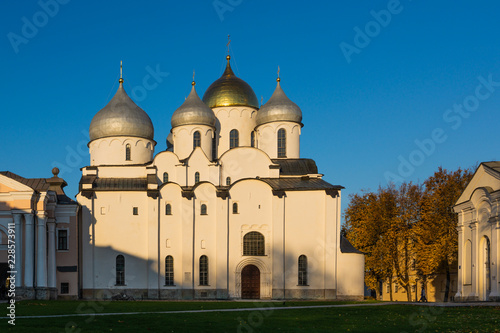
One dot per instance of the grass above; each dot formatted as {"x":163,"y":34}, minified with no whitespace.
{"x":390,"y":318}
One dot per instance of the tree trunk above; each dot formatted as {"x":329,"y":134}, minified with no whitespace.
{"x":390,"y":288}
{"x":447,"y":289}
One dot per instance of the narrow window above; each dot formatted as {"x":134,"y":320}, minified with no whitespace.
{"x":135,"y":210}
{"x":168,"y":209}
{"x":388,"y":288}
{"x":64,"y":288}
{"x":203,"y":270}
{"x":62,"y":239}
{"x":252,"y":139}
{"x":214,"y":147}
{"x":467,"y":264}
{"x":396,"y":287}
{"x":228,"y":181}
{"x":235,"y":208}
{"x":203,"y":209}
{"x":282,"y":143}
{"x":169,"y":271}
{"x":253,"y":244}
{"x":302,"y":270}
{"x":196,"y":177}
{"x":165,"y":177}
{"x":120,"y":270}
{"x":196,"y":139}
{"x":127,"y":152}
{"x":234,"y":139}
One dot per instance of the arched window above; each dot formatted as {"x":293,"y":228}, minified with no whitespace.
{"x":196,"y":177}
{"x":169,"y":271}
{"x":214,"y":147}
{"x":282,"y":143}
{"x":203,"y":270}
{"x":127,"y":152}
{"x":203,"y":209}
{"x":168,"y":209}
{"x":252,"y":139}
{"x":235,"y":208}
{"x":234,"y":139}
{"x":253,"y":244}
{"x":165,"y":177}
{"x":302,"y":270}
{"x":228,"y":181}
{"x":120,"y":270}
{"x":196,"y":139}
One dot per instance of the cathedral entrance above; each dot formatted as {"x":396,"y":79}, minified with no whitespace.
{"x":250,"y":282}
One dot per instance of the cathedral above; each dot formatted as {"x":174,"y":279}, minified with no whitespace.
{"x":228,"y":211}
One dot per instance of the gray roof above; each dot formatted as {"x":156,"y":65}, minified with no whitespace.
{"x":279,"y":108}
{"x":347,"y":247}
{"x":495,"y":165}
{"x":121,"y":117}
{"x":193,"y":112}
{"x":296,"y":166}
{"x":120,"y":184}
{"x":299,"y":184}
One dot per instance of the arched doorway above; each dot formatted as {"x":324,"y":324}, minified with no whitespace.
{"x":250,"y":282}
{"x":484,"y":269}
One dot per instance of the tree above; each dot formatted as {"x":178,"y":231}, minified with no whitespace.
{"x":437,"y":242}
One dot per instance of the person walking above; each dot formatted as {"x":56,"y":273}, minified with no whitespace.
{"x":422,"y":296}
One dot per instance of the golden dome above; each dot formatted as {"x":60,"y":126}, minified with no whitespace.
{"x":229,"y":90}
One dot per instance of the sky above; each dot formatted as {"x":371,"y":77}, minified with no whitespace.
{"x":389,"y":90}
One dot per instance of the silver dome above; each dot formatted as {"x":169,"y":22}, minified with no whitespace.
{"x":279,"y":108}
{"x":193,"y":112}
{"x":121,"y":117}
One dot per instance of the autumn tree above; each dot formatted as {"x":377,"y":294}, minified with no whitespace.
{"x":437,"y":237}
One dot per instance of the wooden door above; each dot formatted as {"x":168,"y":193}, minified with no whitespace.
{"x":250,"y":282}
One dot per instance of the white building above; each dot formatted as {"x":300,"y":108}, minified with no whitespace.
{"x":478,"y":211}
{"x":228,"y":211}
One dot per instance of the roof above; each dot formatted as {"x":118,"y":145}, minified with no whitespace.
{"x":279,"y":108}
{"x":495,"y":165}
{"x":300,"y":184}
{"x":296,"y":166}
{"x":120,"y":184}
{"x":193,"y":112}
{"x":347,"y":247}
{"x":37,"y":184}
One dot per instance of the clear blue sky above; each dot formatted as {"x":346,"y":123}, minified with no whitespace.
{"x":407,"y":78}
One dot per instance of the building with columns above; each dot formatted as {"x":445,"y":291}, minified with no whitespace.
{"x":230,"y":210}
{"x":478,"y":227}
{"x":41,"y":221}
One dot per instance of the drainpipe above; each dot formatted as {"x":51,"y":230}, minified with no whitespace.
{"x":159,"y":275}
{"x":284,"y":263}
{"x":194,"y":233}
{"x":227,"y":250}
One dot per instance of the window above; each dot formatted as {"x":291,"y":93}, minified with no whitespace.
{"x":302,"y":270}
{"x":196,"y":177}
{"x":413,"y":264}
{"x":234,"y":139}
{"x":467,"y":261}
{"x":120,"y":270}
{"x":388,"y":289}
{"x":214,"y":147}
{"x":396,"y":287}
{"x":282,"y":143}
{"x":196,"y":139}
{"x":169,"y":271}
{"x":203,"y":270}
{"x":253,"y":244}
{"x":235,"y":208}
{"x":62,"y":239}
{"x":64,"y":288}
{"x":228,"y":181}
{"x":127,"y":152}
{"x":135,"y":210}
{"x":203,"y":209}
{"x":168,"y":209}
{"x":165,"y":177}
{"x":252,"y":139}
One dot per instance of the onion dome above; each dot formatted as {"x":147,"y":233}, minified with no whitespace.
{"x":121,"y":117}
{"x":229,"y":90}
{"x":279,"y":108}
{"x":193,"y":112}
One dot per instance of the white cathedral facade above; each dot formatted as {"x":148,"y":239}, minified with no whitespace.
{"x":230,"y":210}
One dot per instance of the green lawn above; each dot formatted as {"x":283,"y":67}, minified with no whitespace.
{"x":390,"y":318}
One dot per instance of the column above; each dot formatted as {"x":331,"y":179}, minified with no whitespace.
{"x":41,"y":253}
{"x":460,"y":230}
{"x":474,"y":260}
{"x":29,"y":255}
{"x":51,"y":273}
{"x":19,"y":249}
